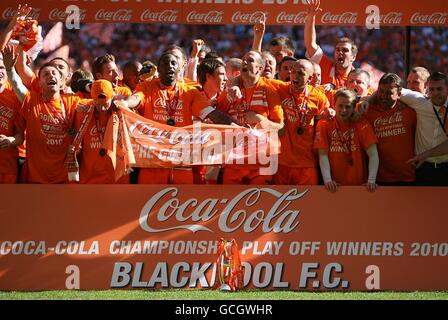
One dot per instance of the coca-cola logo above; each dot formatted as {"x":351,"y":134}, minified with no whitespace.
{"x":118,"y":15}
{"x":159,"y":16}
{"x":8,"y":13}
{"x":61,"y":14}
{"x":343,"y":18}
{"x":395,"y":118}
{"x":207,"y":17}
{"x":345,"y":136}
{"x":240,"y":17}
{"x":146,"y":131}
{"x":434,"y":18}
{"x":239,"y":213}
{"x":291,"y":18}
{"x":391,"y":18}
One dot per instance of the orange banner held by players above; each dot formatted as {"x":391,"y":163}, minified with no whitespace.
{"x":87,"y":237}
{"x":134,"y":141}
{"x":286,"y":12}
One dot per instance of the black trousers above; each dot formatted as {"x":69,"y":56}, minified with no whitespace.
{"x":430,"y":174}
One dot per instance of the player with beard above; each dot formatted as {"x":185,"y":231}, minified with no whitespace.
{"x":167,"y":100}
{"x":258,"y":104}
{"x":341,"y":143}
{"x":394,"y":125}
{"x":336,"y":71}
{"x":301,"y":103}
{"x":104,"y":67}
{"x":48,"y":119}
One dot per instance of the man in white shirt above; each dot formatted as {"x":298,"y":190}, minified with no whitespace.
{"x":432,"y":128}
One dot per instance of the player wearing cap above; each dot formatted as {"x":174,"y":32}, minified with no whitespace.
{"x":95,"y":165}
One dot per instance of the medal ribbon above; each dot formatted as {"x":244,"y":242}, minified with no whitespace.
{"x":72,"y":161}
{"x":57,"y":114}
{"x":243,"y":105}
{"x":301,"y":111}
{"x":170,"y":105}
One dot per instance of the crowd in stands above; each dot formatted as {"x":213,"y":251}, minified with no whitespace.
{"x":383,"y":48}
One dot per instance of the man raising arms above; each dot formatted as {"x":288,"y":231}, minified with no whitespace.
{"x":336,"y":71}
{"x":258,"y":104}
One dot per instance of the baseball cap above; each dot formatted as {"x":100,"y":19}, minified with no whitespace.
{"x":102,"y":87}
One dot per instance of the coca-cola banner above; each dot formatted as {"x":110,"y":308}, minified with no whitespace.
{"x":278,"y":12}
{"x":134,"y":141}
{"x":165,"y":236}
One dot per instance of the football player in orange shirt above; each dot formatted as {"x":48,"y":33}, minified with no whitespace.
{"x":104,"y":67}
{"x":212,"y":77}
{"x":258,"y":104}
{"x":301,"y":103}
{"x":94,"y":164}
{"x":169,"y":101}
{"x":341,"y":143}
{"x":394,"y":124}
{"x":48,"y":119}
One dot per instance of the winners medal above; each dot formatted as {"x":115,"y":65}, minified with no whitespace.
{"x":170,"y":122}
{"x":300,"y":130}
{"x":72,"y":132}
{"x":350,"y":161}
{"x":103,"y":152}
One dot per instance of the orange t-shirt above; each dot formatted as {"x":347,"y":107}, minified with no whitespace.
{"x":187,"y":102}
{"x":329,"y":74}
{"x":297,"y":149}
{"x":395,"y":131}
{"x":358,"y":135}
{"x":261,"y":99}
{"x":10,"y":122}
{"x":94,"y":168}
{"x":47,"y":137}
{"x":274,"y":83}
